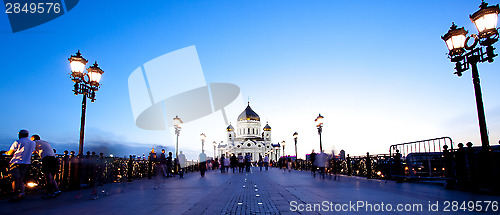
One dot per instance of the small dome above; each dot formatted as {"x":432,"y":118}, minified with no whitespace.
{"x":267,"y":127}
{"x":230,"y":128}
{"x":248,"y":114}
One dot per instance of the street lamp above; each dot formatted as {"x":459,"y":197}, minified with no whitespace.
{"x":283,"y":144}
{"x":215,"y":145}
{"x":86,"y":84}
{"x":319,"y":125}
{"x":177,"y":126}
{"x":465,"y":56}
{"x":295,"y":135}
{"x":202,"y":136}
{"x":276,"y":151}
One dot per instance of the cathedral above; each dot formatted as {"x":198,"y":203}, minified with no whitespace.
{"x":248,"y":138}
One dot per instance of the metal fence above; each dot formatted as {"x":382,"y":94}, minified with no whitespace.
{"x":76,"y":173}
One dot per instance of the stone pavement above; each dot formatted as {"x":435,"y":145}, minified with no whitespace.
{"x":266,"y":192}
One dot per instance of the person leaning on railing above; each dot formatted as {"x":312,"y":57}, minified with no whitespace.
{"x":21,"y":151}
{"x":50,"y":165}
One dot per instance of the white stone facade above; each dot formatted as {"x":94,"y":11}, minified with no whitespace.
{"x":248,"y":138}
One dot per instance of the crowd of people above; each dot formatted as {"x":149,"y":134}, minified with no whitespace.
{"x":164,"y":165}
{"x":235,"y":163}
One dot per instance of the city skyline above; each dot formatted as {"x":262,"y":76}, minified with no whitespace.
{"x":377,"y":71}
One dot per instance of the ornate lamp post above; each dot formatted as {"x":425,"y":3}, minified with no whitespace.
{"x":215,"y":145}
{"x":177,"y":126}
{"x":465,"y":56}
{"x":283,"y":144}
{"x":319,"y":125}
{"x":202,"y":136}
{"x":295,"y":135}
{"x":276,"y":151}
{"x":86,"y":84}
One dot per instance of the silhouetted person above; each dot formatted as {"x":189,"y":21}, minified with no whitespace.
{"x":74,"y":180}
{"x":65,"y":170}
{"x":203,"y":163}
{"x":222,"y":165}
{"x":321,"y":161}
{"x":241,"y":163}
{"x":234,"y":162}
{"x":21,"y":151}
{"x":50,"y":165}
{"x":266,"y":162}
{"x":260,"y":162}
{"x":248,"y":162}
{"x":226,"y":164}
{"x":163,"y":163}
{"x":130,"y":168}
{"x":169,"y":165}
{"x":312,"y":158}
{"x":182,"y":164}
{"x":461,"y":165}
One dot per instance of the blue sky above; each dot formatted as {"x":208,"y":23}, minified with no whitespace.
{"x":377,"y":70}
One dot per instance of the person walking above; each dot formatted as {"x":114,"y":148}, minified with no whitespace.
{"x":241,"y":163}
{"x":203,"y":163}
{"x":248,"y":162}
{"x":182,"y":164}
{"x":266,"y":162}
{"x":50,"y":165}
{"x":289,"y":163}
{"x":312,"y":158}
{"x":321,"y":161}
{"x":222,"y":158}
{"x":260,"y":162}
{"x":234,"y":162}
{"x":170,"y":165}
{"x":227,"y":163}
{"x":21,"y":151}
{"x":163,"y":163}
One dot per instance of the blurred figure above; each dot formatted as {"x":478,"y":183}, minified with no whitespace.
{"x":266,"y":162}
{"x":248,"y":162}
{"x":241,"y":163}
{"x":21,"y":151}
{"x":222,"y":164}
{"x":163,"y":163}
{"x":234,"y":162}
{"x":169,"y":165}
{"x":312,"y":158}
{"x":50,"y":165}
{"x":65,"y":170}
{"x":203,"y":163}
{"x":130,"y":168}
{"x":74,"y":180}
{"x":321,"y":162}
{"x":289,"y":163}
{"x":182,"y":164}
{"x":227,"y":163}
{"x":261,"y":162}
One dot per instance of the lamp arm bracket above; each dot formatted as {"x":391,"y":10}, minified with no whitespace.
{"x":476,"y":40}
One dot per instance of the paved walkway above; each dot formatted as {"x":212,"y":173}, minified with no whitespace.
{"x":266,"y":192}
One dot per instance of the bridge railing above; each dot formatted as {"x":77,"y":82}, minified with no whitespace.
{"x":75,"y":172}
{"x":421,"y":146}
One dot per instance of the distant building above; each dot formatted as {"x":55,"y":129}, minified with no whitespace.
{"x":248,"y":138}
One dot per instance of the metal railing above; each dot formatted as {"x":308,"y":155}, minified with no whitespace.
{"x":421,"y":146}
{"x":76,"y":173}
